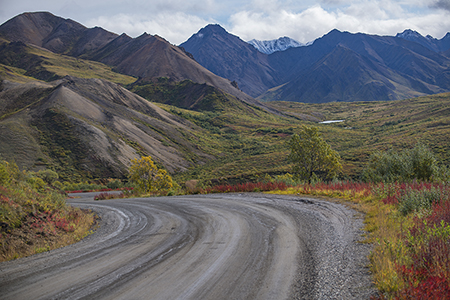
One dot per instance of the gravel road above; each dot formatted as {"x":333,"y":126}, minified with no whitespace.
{"x":223,"y":246}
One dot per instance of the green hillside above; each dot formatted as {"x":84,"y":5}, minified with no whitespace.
{"x":370,"y":126}
{"x":250,"y":145}
{"x":31,"y":61}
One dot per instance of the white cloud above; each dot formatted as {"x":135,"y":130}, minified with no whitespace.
{"x":177,"y":20}
{"x":303,"y":26}
{"x":174,"y":27}
{"x":369,"y":16}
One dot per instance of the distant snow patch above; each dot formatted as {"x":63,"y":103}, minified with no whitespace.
{"x":331,"y":121}
{"x":281,"y":44}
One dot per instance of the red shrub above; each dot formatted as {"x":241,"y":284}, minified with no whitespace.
{"x":441,"y":212}
{"x":247,"y":187}
{"x":434,"y":287}
{"x":105,"y":196}
{"x":428,"y":277}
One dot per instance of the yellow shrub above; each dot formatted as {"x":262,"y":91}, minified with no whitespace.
{"x":147,"y":177}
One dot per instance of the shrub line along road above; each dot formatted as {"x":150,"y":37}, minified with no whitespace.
{"x":222,"y":246}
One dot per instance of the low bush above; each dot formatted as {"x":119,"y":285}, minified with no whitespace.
{"x":115,"y":184}
{"x":426,"y":272}
{"x":418,"y":163}
{"x":34,"y":215}
{"x":247,"y":187}
{"x":417,"y":200}
{"x":82,"y":187}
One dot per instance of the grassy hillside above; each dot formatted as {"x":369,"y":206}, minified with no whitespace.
{"x":14,"y":74}
{"x":185,"y":94}
{"x":250,"y":145}
{"x":371,"y":126}
{"x":245,"y":141}
{"x":26,"y":60}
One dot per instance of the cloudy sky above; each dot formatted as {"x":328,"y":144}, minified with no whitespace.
{"x":177,"y":20}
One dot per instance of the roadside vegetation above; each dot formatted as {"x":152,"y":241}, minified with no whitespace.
{"x":34,"y":216}
{"x":411,"y":255}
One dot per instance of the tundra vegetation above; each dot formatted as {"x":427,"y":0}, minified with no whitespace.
{"x":402,"y":189}
{"x":406,"y":198}
{"x":34,"y":216}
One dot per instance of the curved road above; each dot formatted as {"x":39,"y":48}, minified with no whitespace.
{"x":226,"y":246}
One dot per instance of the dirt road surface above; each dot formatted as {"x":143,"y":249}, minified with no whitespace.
{"x":224,"y":246}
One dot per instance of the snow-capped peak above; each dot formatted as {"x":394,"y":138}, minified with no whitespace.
{"x":410,"y":35}
{"x":427,"y":41}
{"x":281,"y":44}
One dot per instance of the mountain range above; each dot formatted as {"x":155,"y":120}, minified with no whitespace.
{"x":87,"y":126}
{"x":146,"y":56}
{"x":430,"y":42}
{"x":340,"y":66}
{"x":230,"y":57}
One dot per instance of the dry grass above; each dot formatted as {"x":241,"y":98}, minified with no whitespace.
{"x":26,"y":240}
{"x":63,"y":65}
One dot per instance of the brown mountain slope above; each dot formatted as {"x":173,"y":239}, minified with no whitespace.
{"x":54,"y":33}
{"x":150,"y":56}
{"x":92,"y":124}
{"x":31,"y":28}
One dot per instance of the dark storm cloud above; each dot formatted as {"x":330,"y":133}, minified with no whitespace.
{"x":441,"y":4}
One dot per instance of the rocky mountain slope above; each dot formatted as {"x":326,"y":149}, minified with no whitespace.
{"x":150,"y":56}
{"x":230,"y":57}
{"x":54,"y":33}
{"x":428,"y":41}
{"x":92,"y":124}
